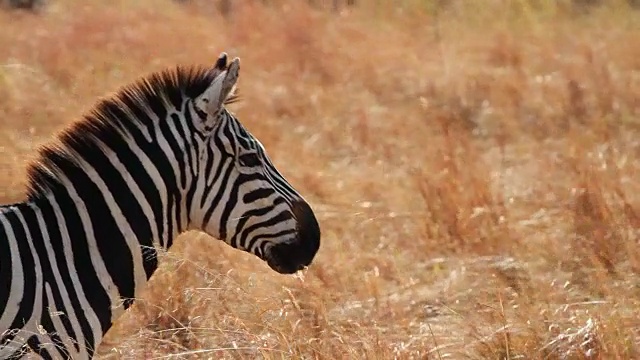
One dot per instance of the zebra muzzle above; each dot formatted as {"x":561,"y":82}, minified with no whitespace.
{"x":288,"y":258}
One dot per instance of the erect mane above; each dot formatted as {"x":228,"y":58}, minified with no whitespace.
{"x":109,"y":116}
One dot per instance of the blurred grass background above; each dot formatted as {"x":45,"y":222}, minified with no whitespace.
{"x":472,"y":165}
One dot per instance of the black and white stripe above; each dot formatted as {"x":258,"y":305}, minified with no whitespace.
{"x":160,"y":157}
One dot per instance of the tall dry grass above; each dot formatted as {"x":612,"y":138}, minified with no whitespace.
{"x":473,"y":169}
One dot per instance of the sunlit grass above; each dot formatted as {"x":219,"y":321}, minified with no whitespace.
{"x":473,"y":169}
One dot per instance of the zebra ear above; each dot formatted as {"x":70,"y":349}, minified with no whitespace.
{"x":221,"y":63}
{"x":221,"y":87}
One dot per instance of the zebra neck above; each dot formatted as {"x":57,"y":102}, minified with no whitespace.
{"x":105,"y":243}
{"x":66,"y":261}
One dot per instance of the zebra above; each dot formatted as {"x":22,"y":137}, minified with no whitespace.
{"x":161,"y":156}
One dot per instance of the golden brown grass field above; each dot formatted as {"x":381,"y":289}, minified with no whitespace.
{"x":473,"y":165}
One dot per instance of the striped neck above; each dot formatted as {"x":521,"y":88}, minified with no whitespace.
{"x":97,"y":236}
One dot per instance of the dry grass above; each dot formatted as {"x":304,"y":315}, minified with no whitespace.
{"x":472,"y":169}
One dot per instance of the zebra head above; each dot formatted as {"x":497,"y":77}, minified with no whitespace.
{"x":239,"y":195}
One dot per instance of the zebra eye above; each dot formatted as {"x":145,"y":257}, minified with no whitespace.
{"x":249,"y":160}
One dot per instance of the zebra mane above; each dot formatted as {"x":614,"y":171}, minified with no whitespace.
{"x":130,"y":104}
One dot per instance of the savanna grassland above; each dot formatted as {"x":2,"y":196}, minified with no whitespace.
{"x":473,"y":165}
